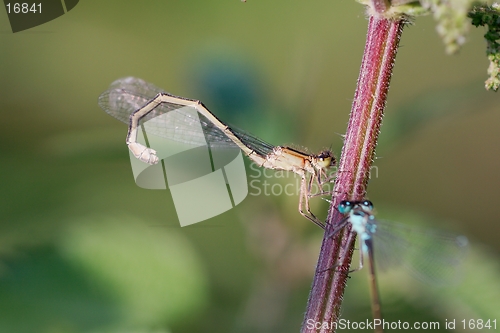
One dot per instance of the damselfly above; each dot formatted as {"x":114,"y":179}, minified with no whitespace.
{"x":136,"y":103}
{"x":430,"y":255}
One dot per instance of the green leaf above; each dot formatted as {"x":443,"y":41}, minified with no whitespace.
{"x":489,"y":16}
{"x":154,"y":273}
{"x":107,"y":274}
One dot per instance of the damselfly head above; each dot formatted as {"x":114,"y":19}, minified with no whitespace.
{"x":346,"y":207}
{"x":325,"y":160}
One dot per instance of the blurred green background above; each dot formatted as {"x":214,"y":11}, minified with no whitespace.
{"x":83,"y":249}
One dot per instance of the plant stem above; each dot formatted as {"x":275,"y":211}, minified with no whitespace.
{"x":380,"y":6}
{"x":325,"y":298}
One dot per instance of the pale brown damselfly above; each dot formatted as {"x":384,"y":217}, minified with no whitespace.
{"x":137,"y":102}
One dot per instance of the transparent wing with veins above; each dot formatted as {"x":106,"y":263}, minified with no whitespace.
{"x":130,"y":94}
{"x":430,"y":255}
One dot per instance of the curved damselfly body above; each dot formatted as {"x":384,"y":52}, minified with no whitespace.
{"x":139,"y":103}
{"x":430,"y":255}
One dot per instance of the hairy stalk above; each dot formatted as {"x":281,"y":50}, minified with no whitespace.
{"x":380,"y":6}
{"x":332,"y":270}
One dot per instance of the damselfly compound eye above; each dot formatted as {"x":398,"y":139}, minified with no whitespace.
{"x":368,"y":204}
{"x":345,"y":207}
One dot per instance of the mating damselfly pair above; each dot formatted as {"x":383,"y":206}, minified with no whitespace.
{"x":138,"y":103}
